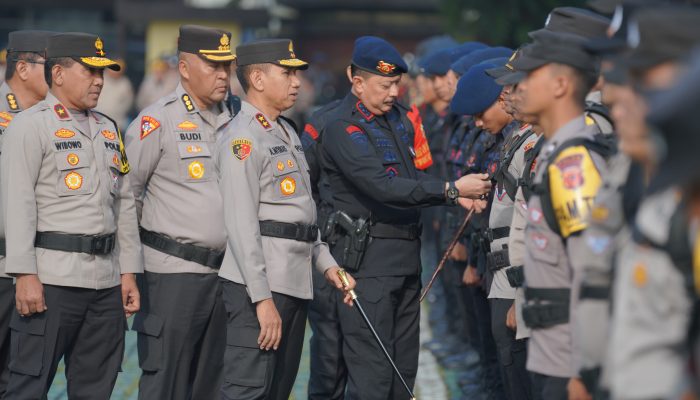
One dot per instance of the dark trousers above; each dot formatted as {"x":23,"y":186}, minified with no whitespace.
{"x":7,"y":307}
{"x":181,"y":336}
{"x":546,"y":387}
{"x":512,"y":353}
{"x":83,"y":326}
{"x":251,"y":373}
{"x":328,"y":374}
{"x":391,"y":304}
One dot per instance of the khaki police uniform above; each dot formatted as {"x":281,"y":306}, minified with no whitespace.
{"x":574,"y":180}
{"x":264,"y":176}
{"x":647,"y":356}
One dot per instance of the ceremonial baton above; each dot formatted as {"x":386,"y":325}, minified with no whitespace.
{"x":452,"y":245}
{"x":346,"y":283}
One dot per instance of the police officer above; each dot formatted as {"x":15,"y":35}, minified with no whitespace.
{"x":376,"y":189}
{"x":72,"y":234}
{"x":273,"y":236}
{"x":567,"y":177}
{"x":24,"y":86}
{"x":170,"y":145}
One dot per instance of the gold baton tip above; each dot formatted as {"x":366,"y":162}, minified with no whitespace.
{"x":344,"y":280}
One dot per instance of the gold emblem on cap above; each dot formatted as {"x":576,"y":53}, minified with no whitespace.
{"x":385,"y":67}
{"x":225,"y":43}
{"x":291,"y":50}
{"x":99,"y":46}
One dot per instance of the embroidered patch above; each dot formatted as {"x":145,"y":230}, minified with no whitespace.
{"x":535,"y":215}
{"x":73,"y":159}
{"x":148,"y":125}
{"x":60,"y":111}
{"x":187,"y":101}
{"x":571,"y":172}
{"x":241,"y":148}
{"x":280,"y":166}
{"x":290,"y":163}
{"x":64,"y":133}
{"x":598,"y":244}
{"x":195,"y":170}
{"x":392,"y":172}
{"x":109,"y":135}
{"x":308,"y":128}
{"x":73,"y":180}
{"x":353,"y":129}
{"x":115,"y":161}
{"x":539,"y":241}
{"x":5,"y":119}
{"x":262,"y":120}
{"x":187,"y":125}
{"x":288,"y":186}
{"x":529,"y":146}
{"x":366,"y":114}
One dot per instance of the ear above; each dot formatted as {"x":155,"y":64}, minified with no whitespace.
{"x":22,"y":70}
{"x":257,"y":79}
{"x":348,"y":74}
{"x":562,"y":85}
{"x":57,"y":72}
{"x":358,"y":84}
{"x":183,"y":68}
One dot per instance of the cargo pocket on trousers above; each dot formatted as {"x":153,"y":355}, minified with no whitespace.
{"x":27,"y":344}
{"x":150,"y":342}
{"x":244,"y":363}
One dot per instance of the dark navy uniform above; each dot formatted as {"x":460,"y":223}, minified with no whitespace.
{"x":370,"y":167}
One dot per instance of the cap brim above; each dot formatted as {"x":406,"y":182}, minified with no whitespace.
{"x":99,"y":62}
{"x":605,"y":46}
{"x":217,"y":56}
{"x":527,"y":63}
{"x":497,"y":72}
{"x":512,"y":78}
{"x":293,"y":63}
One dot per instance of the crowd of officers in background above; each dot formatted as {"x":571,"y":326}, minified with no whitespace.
{"x":222,"y":227}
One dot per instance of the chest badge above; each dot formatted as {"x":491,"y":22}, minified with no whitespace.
{"x":64,"y":133}
{"x":73,"y":180}
{"x":280,"y":166}
{"x":187,"y":125}
{"x":195,"y":170}
{"x":73,"y":159}
{"x":288,"y":186}
{"x":109,"y":135}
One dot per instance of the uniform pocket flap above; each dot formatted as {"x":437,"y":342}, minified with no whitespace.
{"x":243,"y":337}
{"x":34,"y":325}
{"x":370,"y":290}
{"x":148,"y":324}
{"x":72,"y":159}
{"x":193,"y":149}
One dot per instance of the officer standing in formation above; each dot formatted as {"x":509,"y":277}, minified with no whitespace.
{"x":171,"y":145}
{"x":24,"y":86}
{"x":72,"y":233}
{"x":273,"y":239}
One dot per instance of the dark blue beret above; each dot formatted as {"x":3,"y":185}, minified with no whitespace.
{"x":465,"y":49}
{"x":461,"y":66}
{"x":476,"y":91}
{"x":376,"y":55}
{"x":437,"y":62}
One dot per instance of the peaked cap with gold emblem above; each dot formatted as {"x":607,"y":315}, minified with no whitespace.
{"x":273,"y":51}
{"x":84,"y":48}
{"x":209,"y":43}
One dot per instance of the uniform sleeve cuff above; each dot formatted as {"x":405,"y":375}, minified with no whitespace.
{"x":258,"y":291}
{"x":21,"y":265}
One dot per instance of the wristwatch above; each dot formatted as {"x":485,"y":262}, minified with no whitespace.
{"x":452,"y":193}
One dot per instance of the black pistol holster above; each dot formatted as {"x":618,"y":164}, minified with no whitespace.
{"x":356,"y":233}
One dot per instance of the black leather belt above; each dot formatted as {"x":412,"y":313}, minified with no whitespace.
{"x":594,"y":292}
{"x":90,"y":244}
{"x":286,"y":230}
{"x":188,"y":252}
{"x":496,"y":233}
{"x":516,"y":276}
{"x":498,"y":259}
{"x":389,"y":231}
{"x":546,"y":307}
{"x":2,"y":247}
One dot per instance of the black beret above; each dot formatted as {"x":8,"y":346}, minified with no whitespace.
{"x":84,"y":48}
{"x":272,"y":51}
{"x":210,"y":43}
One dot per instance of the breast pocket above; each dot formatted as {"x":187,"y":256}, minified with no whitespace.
{"x":74,"y":176}
{"x":286,"y":177}
{"x":195,"y":162}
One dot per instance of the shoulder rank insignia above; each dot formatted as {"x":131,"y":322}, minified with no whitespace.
{"x":60,"y":111}
{"x":385,"y":67}
{"x":574,"y":181}
{"x":5,"y":119}
{"x":148,"y":125}
{"x":262,"y":120}
{"x":366,"y":114}
{"x":12,"y":102}
{"x":241,"y":148}
{"x":187,"y":125}
{"x":187,"y":101}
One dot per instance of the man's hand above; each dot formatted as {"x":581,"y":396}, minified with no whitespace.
{"x":459,"y":252}
{"x":473,"y":185}
{"x":131,"y":298}
{"x":511,"y":322}
{"x":29,"y":295}
{"x":332,"y":277}
{"x":270,"y":325}
{"x":468,"y":204}
{"x":577,"y":390}
{"x":471,"y":277}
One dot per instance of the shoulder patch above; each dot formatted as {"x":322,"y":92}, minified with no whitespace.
{"x":187,"y":125}
{"x":60,"y":111}
{"x":148,"y":125}
{"x":12,"y":102}
{"x":262,"y":120}
{"x":308,"y":128}
{"x":5,"y":119}
{"x":574,"y":181}
{"x":241,"y":148}
{"x":187,"y":101}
